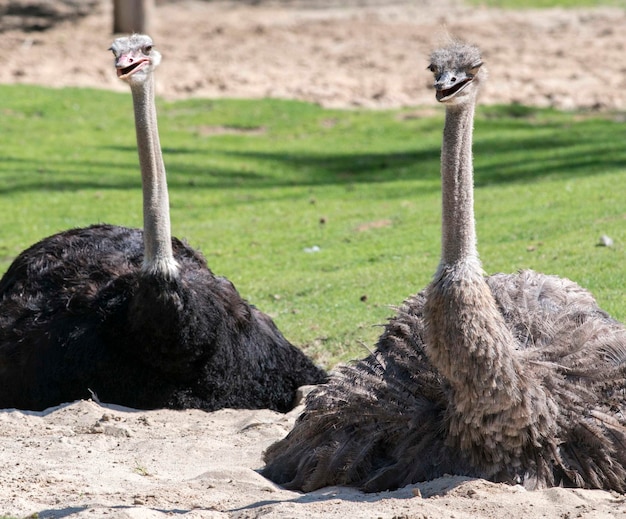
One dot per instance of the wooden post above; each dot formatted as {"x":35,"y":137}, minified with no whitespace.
{"x":130,"y":16}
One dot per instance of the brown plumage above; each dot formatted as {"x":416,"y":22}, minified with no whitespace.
{"x":514,"y":378}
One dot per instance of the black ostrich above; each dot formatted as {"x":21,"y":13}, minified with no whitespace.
{"x":519,"y":378}
{"x":137,"y":318}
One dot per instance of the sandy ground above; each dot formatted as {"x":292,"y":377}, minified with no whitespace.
{"x":85,"y":460}
{"x":341,"y":53}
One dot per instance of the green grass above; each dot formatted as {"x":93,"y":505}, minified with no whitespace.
{"x":255,"y":184}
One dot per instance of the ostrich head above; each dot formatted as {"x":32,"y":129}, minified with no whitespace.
{"x":135,"y":58}
{"x":457,"y":70}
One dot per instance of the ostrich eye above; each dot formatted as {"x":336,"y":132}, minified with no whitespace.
{"x":432,"y":68}
{"x":147,"y":49}
{"x":473,"y":70}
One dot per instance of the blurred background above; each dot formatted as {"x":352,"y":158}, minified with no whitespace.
{"x":562,"y":53}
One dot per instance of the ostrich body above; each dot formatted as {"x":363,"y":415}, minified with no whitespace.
{"x":513,"y":378}
{"x":136,"y":317}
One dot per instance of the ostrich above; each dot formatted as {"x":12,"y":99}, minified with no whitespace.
{"x":137,"y":318}
{"x":513,"y":378}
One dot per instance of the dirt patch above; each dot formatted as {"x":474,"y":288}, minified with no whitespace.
{"x":205,"y":131}
{"x":379,"y":224}
{"x":341,"y":54}
{"x":88,"y":461}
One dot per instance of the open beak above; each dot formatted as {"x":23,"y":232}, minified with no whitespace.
{"x":124,"y":72}
{"x":444,"y":94}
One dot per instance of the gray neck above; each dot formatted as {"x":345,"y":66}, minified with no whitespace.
{"x":466,"y":336}
{"x":158,"y":256}
{"x":457,"y":177}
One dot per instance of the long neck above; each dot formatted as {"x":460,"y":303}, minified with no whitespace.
{"x":158,"y":255}
{"x":466,"y":336}
{"x":457,"y":176}
{"x":464,"y":323}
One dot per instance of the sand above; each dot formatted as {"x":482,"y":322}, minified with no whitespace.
{"x":350,"y":53}
{"x":86,"y":460}
{"x":91,"y":460}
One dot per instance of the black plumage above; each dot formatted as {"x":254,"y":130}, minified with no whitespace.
{"x":123,"y":315}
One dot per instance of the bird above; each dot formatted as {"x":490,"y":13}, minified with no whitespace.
{"x":133,"y":316}
{"x":514,"y":378}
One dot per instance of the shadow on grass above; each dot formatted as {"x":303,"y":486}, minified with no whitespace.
{"x":262,"y":170}
{"x":552,"y":149}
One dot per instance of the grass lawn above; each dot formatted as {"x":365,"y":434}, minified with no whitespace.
{"x":322,"y":218}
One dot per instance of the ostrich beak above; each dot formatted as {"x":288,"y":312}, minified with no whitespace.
{"x":127,"y":67}
{"x":449,"y":85}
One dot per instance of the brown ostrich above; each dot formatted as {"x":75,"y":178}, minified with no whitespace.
{"x":516,"y":378}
